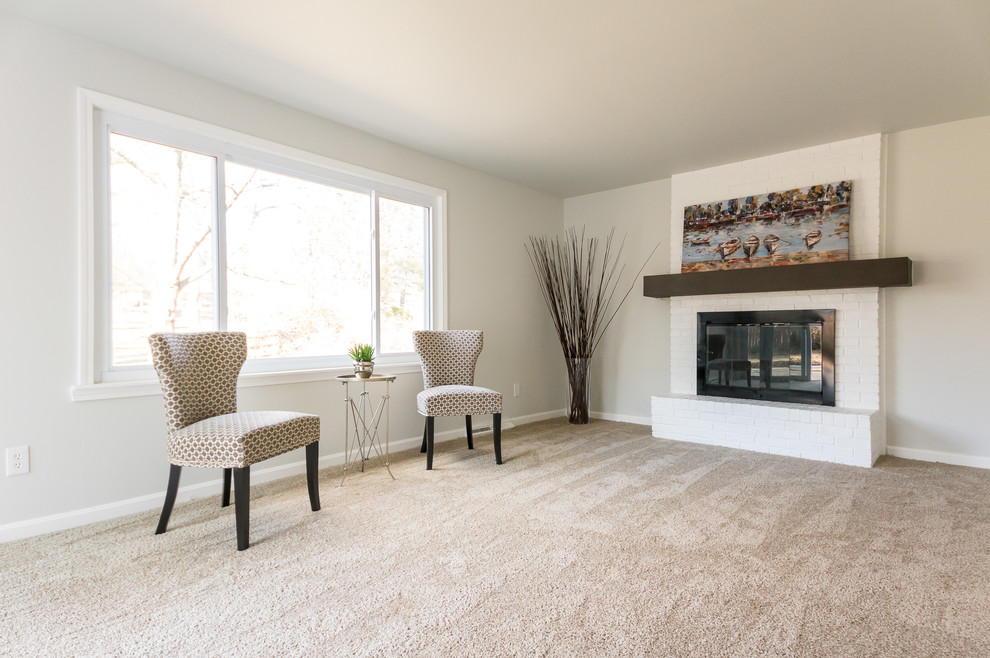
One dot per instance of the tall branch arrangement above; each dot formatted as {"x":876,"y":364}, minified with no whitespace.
{"x":579,"y":277}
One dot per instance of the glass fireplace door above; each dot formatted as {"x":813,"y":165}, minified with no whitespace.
{"x":774,"y":355}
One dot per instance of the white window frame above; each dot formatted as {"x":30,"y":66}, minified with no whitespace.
{"x":98,"y":114}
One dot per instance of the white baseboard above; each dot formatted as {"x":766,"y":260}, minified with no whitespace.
{"x":44,"y":524}
{"x":533,"y":418}
{"x":941,"y":457}
{"x":65,"y":520}
{"x":619,"y":418}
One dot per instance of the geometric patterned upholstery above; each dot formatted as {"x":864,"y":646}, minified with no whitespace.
{"x":241,"y":439}
{"x":458,"y":401}
{"x":448,"y":359}
{"x":198,"y":374}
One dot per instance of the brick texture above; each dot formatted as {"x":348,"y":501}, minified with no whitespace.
{"x":797,"y":430}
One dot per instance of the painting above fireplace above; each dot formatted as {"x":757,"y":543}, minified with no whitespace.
{"x":784,"y":356}
{"x":791,"y":227}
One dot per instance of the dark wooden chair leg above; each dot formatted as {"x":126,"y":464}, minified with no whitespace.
{"x":467,"y":422}
{"x":429,"y":443}
{"x":426,"y":429}
{"x":242,"y":501}
{"x":312,"y":474}
{"x":225,"y":501}
{"x":497,"y":431}
{"x":173,"y":488}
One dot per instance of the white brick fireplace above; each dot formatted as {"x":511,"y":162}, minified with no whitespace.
{"x":853,"y":431}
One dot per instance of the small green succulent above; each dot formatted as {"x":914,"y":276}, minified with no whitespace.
{"x":362,"y":352}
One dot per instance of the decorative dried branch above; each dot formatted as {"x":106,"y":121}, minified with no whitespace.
{"x":578,"y":278}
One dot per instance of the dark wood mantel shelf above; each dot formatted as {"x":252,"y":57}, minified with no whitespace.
{"x":872,"y":273}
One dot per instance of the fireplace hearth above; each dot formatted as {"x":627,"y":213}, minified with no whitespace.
{"x":783,"y":356}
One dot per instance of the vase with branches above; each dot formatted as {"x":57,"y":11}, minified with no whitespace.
{"x":579,"y":276}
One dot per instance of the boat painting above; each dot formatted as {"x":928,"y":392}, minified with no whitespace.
{"x":727,"y":247}
{"x":813,"y":238}
{"x":750,"y":246}
{"x":804,"y":225}
{"x":772,"y":243}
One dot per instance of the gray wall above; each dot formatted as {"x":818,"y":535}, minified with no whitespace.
{"x":85,"y":454}
{"x":633,"y":360}
{"x":937,"y":359}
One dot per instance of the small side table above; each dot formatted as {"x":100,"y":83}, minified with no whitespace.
{"x":366,"y":418}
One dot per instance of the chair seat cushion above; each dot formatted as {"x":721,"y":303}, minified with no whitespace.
{"x":241,"y":439}
{"x":458,"y":401}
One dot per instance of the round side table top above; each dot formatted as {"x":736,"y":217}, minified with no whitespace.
{"x":354,"y":379}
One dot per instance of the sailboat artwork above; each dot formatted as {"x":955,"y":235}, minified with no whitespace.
{"x":804,"y":225}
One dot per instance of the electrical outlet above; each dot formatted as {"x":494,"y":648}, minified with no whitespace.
{"x":18,"y":460}
{"x":515,"y":390}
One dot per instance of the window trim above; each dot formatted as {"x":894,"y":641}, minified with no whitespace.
{"x":93,"y":238}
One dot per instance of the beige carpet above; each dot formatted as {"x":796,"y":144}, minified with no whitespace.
{"x":594,"y":540}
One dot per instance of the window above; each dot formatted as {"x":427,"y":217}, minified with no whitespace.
{"x":196,"y":228}
{"x":299,"y":263}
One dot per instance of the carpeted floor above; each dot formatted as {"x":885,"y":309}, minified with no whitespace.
{"x":593,"y":540}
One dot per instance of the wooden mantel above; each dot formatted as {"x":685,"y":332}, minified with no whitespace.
{"x":871,"y":273}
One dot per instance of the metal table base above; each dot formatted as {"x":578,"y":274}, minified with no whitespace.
{"x":366,"y":419}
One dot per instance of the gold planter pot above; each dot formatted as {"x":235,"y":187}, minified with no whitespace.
{"x":363,"y":369}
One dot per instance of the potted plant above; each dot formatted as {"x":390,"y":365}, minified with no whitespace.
{"x":364,"y":359}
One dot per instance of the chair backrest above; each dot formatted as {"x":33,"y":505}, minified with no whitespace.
{"x":448,"y":357}
{"x":198,"y":373}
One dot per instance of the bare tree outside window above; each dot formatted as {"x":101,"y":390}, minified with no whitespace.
{"x":299,"y":257}
{"x":402,"y":247}
{"x":160,"y":233}
{"x":298,"y":264}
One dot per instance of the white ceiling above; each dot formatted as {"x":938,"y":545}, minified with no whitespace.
{"x":575,"y":96}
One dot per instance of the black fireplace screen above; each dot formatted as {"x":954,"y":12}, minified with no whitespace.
{"x":786,"y":356}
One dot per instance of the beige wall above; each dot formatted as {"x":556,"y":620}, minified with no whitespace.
{"x":938,"y":181}
{"x":632,"y":362}
{"x":86,"y":454}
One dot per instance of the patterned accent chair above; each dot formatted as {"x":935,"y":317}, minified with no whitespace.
{"x":198,"y":374}
{"x":448,"y":359}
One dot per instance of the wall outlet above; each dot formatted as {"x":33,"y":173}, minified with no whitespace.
{"x":18,"y":460}
{"x":515,"y":390}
